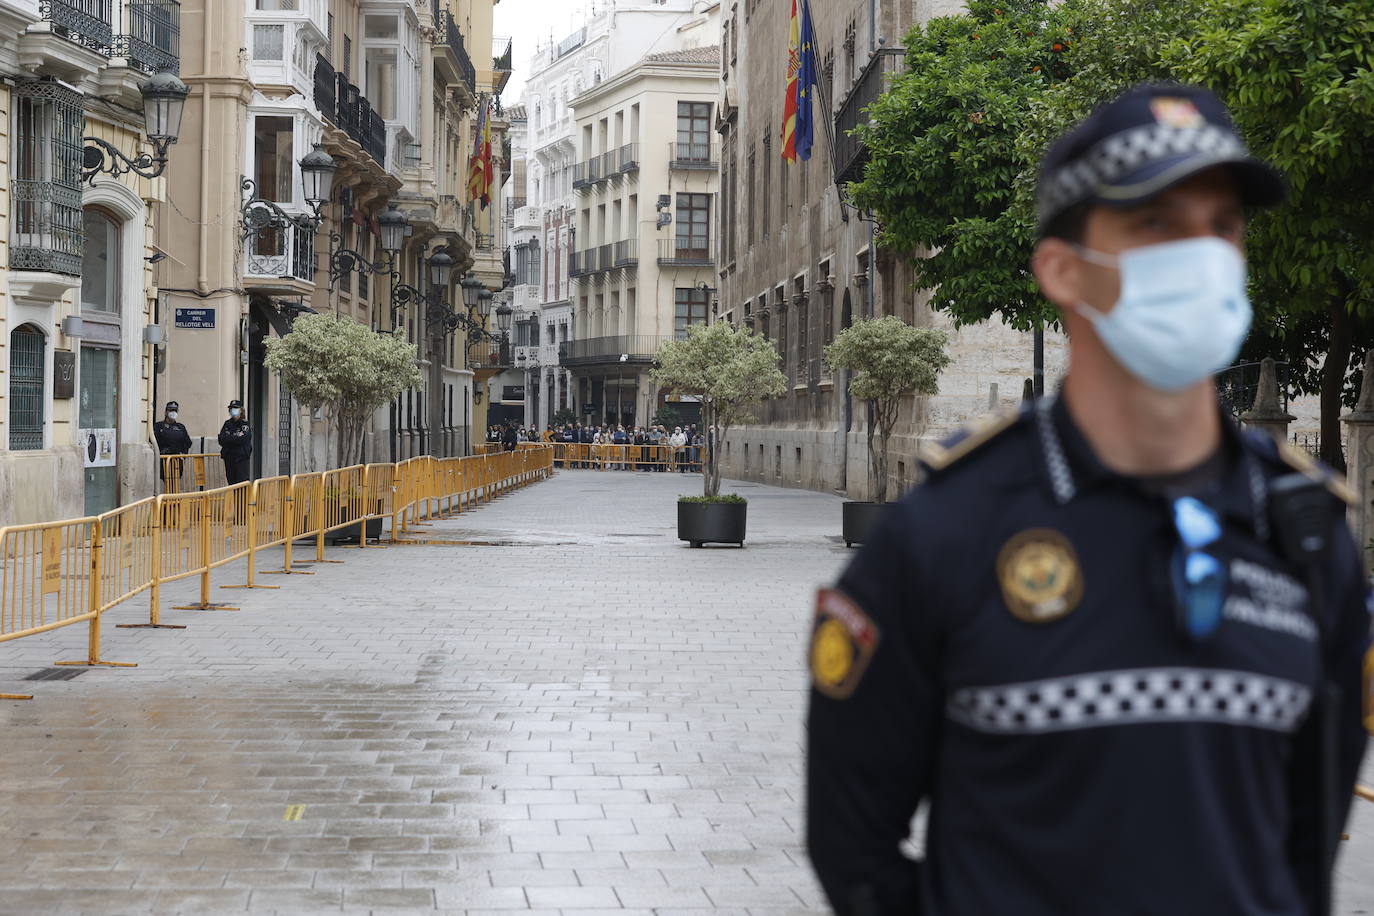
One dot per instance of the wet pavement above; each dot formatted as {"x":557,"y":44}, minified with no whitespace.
{"x":576,"y":714}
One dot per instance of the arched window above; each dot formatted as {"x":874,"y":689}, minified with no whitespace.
{"x":100,"y":262}
{"x":27,"y":354}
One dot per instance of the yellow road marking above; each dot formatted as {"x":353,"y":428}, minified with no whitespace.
{"x":293,"y":812}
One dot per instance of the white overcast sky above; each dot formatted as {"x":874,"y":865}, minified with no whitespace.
{"x":530,"y":22}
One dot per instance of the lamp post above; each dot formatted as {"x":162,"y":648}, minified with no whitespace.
{"x":164,"y":99}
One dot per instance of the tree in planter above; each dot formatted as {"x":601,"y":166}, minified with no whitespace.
{"x":563,"y":416}
{"x":889,"y":359}
{"x":347,"y":369}
{"x":727,"y":369}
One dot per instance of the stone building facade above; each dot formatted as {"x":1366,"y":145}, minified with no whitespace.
{"x":798,"y":264}
{"x":390,"y":90}
{"x":78,"y":360}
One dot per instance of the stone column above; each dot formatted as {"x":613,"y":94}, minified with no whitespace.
{"x":1359,"y":460}
{"x":1267,"y":415}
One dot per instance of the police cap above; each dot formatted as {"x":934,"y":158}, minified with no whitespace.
{"x":1145,"y":141}
{"x":173,"y":405}
{"x":236,"y":403}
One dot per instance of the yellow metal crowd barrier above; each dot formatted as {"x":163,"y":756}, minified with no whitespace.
{"x":628,"y":457}
{"x":190,"y":473}
{"x":68,"y":572}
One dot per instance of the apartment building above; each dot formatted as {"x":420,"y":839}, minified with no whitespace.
{"x":797,"y":263}
{"x":618,"y":35}
{"x":78,"y":232}
{"x":643,"y":267}
{"x":389,"y":91}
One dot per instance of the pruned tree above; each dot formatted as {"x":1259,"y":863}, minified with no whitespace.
{"x":728,"y":369}
{"x":345,"y":368}
{"x":889,"y":359}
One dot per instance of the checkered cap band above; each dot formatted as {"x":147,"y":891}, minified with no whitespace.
{"x":1132,"y":697}
{"x":1121,"y":155}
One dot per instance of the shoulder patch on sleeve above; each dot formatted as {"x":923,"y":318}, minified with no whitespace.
{"x":843,"y":641}
{"x":938,"y":456}
{"x":1300,"y":461}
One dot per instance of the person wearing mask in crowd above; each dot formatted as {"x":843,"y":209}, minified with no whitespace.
{"x":510,"y":438}
{"x":679,"y":441}
{"x":697,"y":442}
{"x":655,"y":438}
{"x":236,"y":445}
{"x":172,"y":439}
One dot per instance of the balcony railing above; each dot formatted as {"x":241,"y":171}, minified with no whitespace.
{"x":572,"y":42}
{"x":489,"y":354}
{"x":692,"y":156}
{"x":86,"y":22}
{"x":685,"y":252}
{"x":485,"y":241}
{"x":286,"y":253}
{"x":326,"y":87}
{"x":152,"y":39}
{"x":850,"y":155}
{"x":627,"y":253}
{"x":577,"y":263}
{"x":605,"y":255}
{"x":453,"y":38}
{"x":638,"y":348}
{"x":344,"y":104}
{"x":588,"y":172}
{"x":627,"y":158}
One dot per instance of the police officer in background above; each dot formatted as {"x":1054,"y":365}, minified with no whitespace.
{"x":172,"y":439}
{"x":1113,"y":641}
{"x":236,"y":445}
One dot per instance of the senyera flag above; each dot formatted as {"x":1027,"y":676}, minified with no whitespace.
{"x":479,"y":167}
{"x":798,"y":125}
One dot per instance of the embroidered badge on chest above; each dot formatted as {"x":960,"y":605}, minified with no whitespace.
{"x":1040,"y":576}
{"x":842,"y":643}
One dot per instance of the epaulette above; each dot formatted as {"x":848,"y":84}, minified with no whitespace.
{"x":938,"y":456}
{"x":1300,"y":461}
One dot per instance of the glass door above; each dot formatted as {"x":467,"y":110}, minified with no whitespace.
{"x":98,"y":427}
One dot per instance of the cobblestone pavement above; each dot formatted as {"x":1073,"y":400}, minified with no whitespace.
{"x":589,"y":717}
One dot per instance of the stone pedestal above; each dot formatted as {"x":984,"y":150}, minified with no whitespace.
{"x":1359,"y":461}
{"x":1267,"y":414}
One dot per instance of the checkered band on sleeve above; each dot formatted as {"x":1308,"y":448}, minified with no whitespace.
{"x":1121,"y":154}
{"x":1133,"y":697}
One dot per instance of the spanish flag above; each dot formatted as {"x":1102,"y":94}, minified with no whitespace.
{"x":479,"y":167}
{"x":798,"y":125}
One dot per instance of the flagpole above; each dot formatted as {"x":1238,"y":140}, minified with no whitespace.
{"x":823,"y":91}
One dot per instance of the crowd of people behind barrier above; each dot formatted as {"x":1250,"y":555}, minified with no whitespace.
{"x":613,"y":447}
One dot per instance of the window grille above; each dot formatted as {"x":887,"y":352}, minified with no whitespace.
{"x":47,"y":232}
{"x":26,"y":389}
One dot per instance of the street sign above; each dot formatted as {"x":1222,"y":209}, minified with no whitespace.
{"x":195,"y":318}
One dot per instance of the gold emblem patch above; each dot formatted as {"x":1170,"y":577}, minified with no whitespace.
{"x":1176,"y":112}
{"x":842,"y":643}
{"x":1040,"y":576}
{"x":1369,"y":690}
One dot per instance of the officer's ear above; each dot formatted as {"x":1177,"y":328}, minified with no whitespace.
{"x":1058,"y":270}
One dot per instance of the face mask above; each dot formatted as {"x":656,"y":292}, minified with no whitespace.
{"x":1182,"y":314}
{"x":172,"y":415}
{"x":234,"y":412}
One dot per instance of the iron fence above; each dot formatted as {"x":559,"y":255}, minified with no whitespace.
{"x":152,"y":43}
{"x":86,"y":22}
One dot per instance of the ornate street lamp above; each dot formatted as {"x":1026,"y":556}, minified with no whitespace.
{"x":395,"y":228}
{"x":440,"y":270}
{"x":504,"y":315}
{"x":317,"y":174}
{"x":484,"y":308}
{"x":164,"y":99}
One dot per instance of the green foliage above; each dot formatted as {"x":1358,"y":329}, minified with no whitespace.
{"x":889,"y":359}
{"x":563,"y":416}
{"x":945,"y":155}
{"x":733,"y":498}
{"x":345,"y":367}
{"x":728,"y":369}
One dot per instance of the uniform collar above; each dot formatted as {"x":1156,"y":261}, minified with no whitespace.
{"x":1071,"y":467}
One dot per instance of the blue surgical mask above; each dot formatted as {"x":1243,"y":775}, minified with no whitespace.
{"x":1182,"y":314}
{"x":234,"y":412}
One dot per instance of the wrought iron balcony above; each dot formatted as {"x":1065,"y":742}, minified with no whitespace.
{"x":86,"y":22}
{"x":850,"y":155}
{"x":485,"y":241}
{"x":627,"y":253}
{"x":627,"y":158}
{"x":636,"y":349}
{"x":489,"y":354}
{"x":578,"y":262}
{"x":685,"y":252}
{"x":280,"y":253}
{"x":588,"y":173}
{"x":693,"y":156}
{"x":152,"y":41}
{"x":604,"y":258}
{"x":453,"y":40}
{"x":501,"y":64}
{"x":326,"y":87}
{"x":374,"y":137}
{"x":344,"y":104}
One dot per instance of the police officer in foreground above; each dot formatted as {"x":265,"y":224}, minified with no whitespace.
{"x":1113,"y":641}
{"x":236,"y":445}
{"x":172,"y":439}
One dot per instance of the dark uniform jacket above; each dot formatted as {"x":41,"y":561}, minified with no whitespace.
{"x":172,"y":438}
{"x":235,"y":439}
{"x":1006,"y":648}
{"x":510,"y":440}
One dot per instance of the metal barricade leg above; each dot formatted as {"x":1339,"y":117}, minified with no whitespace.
{"x":95,"y":573}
